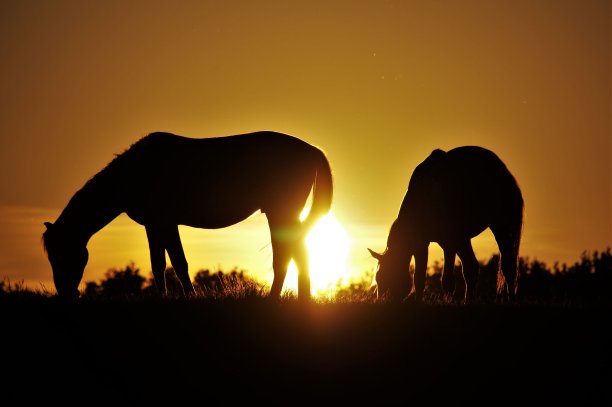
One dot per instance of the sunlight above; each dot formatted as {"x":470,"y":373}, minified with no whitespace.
{"x":328,"y":246}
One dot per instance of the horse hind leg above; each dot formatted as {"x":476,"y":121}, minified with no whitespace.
{"x":281,"y":256}
{"x":508,"y":248}
{"x":302,"y":261}
{"x":287,"y":243}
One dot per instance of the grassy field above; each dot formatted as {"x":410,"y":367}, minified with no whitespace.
{"x":227,"y":351}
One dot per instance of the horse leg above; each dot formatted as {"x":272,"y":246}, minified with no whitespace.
{"x":470,"y":270}
{"x":157,"y":253}
{"x":282,"y":236}
{"x":177,"y":258}
{"x":420,"y":271}
{"x":448,"y":274}
{"x":508,"y":261}
{"x":302,"y":261}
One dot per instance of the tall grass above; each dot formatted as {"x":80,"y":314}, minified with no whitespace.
{"x":587,"y":281}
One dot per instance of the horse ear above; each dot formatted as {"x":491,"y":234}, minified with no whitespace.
{"x":49,"y":225}
{"x":377,"y":256}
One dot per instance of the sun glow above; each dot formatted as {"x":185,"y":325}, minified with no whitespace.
{"x":328,"y":247}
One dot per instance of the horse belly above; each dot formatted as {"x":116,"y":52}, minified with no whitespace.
{"x":212,"y":212}
{"x":195,"y":209}
{"x":457,"y":223}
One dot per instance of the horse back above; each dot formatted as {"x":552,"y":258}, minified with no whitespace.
{"x":214,"y":182}
{"x":465,"y":188}
{"x":261,"y":153}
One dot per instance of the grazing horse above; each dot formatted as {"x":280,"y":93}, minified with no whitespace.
{"x":165,"y":180}
{"x":452,"y":197}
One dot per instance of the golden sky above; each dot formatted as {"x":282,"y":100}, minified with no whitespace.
{"x":376,"y":84}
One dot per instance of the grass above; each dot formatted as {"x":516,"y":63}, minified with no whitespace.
{"x":121,"y":344}
{"x":231,"y":345}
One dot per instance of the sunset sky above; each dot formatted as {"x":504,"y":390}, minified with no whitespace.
{"x":376,"y":84}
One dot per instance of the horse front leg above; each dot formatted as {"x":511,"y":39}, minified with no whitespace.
{"x":470,"y":269}
{"x":157,"y":252}
{"x":178,"y":259}
{"x":448,"y":273}
{"x":420,"y":271}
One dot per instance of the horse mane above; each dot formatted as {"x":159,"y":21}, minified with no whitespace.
{"x":395,"y":234}
{"x":104,"y":176}
{"x":122,"y":159}
{"x":422,"y":175}
{"x":44,"y":243}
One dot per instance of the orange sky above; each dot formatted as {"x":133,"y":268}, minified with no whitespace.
{"x":376,"y":84}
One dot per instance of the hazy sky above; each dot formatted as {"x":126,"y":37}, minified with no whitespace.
{"x":376,"y":84}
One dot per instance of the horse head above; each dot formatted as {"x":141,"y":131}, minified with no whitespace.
{"x":393,"y":279}
{"x":68,"y":258}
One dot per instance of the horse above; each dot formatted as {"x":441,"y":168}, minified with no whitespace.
{"x":452,"y":196}
{"x":164,"y":180}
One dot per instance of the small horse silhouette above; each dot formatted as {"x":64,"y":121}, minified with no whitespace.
{"x":165,"y":180}
{"x":452,"y":197}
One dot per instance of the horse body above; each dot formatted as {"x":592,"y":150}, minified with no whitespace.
{"x":452,"y":197}
{"x":165,"y":180}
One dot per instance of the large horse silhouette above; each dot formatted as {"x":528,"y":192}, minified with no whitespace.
{"x":452,"y":197}
{"x":165,"y":180}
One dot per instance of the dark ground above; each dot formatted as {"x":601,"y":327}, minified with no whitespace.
{"x":229,"y":352}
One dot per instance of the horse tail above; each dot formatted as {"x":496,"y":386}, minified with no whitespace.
{"x":517,"y":232}
{"x":519,"y":216}
{"x":322,"y":192}
{"x":520,"y":223}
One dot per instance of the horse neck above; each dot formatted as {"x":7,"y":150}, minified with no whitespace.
{"x":400,"y":239}
{"x":88,"y":211}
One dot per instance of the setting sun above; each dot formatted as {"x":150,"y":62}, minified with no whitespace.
{"x":328,"y":246}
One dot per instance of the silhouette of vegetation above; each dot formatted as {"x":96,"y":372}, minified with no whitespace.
{"x":589,"y":280}
{"x":19,"y":289}
{"x":234,"y":284}
{"x":226,"y":344}
{"x":118,"y":283}
{"x":129,"y":283}
{"x":359,"y":291}
{"x":586,"y":281}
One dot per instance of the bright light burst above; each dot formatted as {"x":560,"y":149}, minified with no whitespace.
{"x":328,"y":246}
